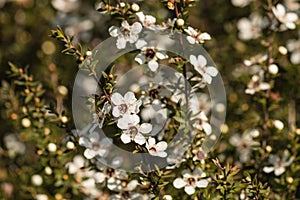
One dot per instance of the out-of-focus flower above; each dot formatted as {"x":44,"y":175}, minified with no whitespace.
{"x":279,"y":164}
{"x":41,"y":197}
{"x":156,"y":149}
{"x":292,"y":5}
{"x":180,"y":22}
{"x":125,"y":105}
{"x":13,"y":145}
{"x":196,"y":36}
{"x":126,"y":33}
{"x":250,"y":28}
{"x":199,"y":64}
{"x":241,"y":3}
{"x":256,"y":84}
{"x":150,"y":55}
{"x":65,"y":5}
{"x":75,"y":165}
{"x":132,"y":131}
{"x":244,"y":144}
{"x":36,"y":179}
{"x":148,"y":21}
{"x":293,"y":47}
{"x":191,"y":180}
{"x":273,"y":69}
{"x":199,"y":155}
{"x":94,"y":145}
{"x":287,"y":19}
{"x":278,"y":124}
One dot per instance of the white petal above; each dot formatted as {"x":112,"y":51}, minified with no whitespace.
{"x":207,"y":78}
{"x":179,"y":183}
{"x":290,"y":25}
{"x":125,"y":24}
{"x":121,"y":42}
{"x":123,"y":122}
{"x":280,"y":10}
{"x":204,"y":36}
{"x":161,"y":146}
{"x":89,"y":154}
{"x":116,"y":98}
{"x":193,"y":60}
{"x":189,"y":190}
{"x":132,"y":185}
{"x":268,"y":169}
{"x":161,"y":154}
{"x":134,"y":119}
{"x":139,"y":139}
{"x":140,"y":58}
{"x":279,"y":171}
{"x":94,"y":137}
{"x":202,"y":183}
{"x":129,"y":98}
{"x":291,"y":17}
{"x":140,"y":44}
{"x":191,"y":40}
{"x":78,"y":161}
{"x":114,"y":31}
{"x":202,"y":61}
{"x":83,"y":141}
{"x":151,"y":141}
{"x":133,"y":38}
{"x":125,"y":138}
{"x":161,"y":55}
{"x":153,"y":65}
{"x":212,"y":71}
{"x":116,"y":112}
{"x":146,"y":128}
{"x":136,"y":28}
{"x":264,"y":86}
{"x":141,"y":16}
{"x":207,"y":128}
{"x":99,"y":177}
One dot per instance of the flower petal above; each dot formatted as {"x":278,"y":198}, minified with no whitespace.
{"x":116,"y":98}
{"x":136,"y":28}
{"x":191,"y":40}
{"x":193,"y":60}
{"x":125,"y":138}
{"x":212,"y":71}
{"x":179,"y":183}
{"x":146,"y":128}
{"x":278,"y":171}
{"x":140,"y":44}
{"x":89,"y":154}
{"x":161,"y":146}
{"x":121,"y":42}
{"x":207,"y":78}
{"x":140,"y":58}
{"x":114,"y":31}
{"x":202,"y":183}
{"x":161,"y":154}
{"x":189,"y":190}
{"x":151,"y":142}
{"x":129,"y":98}
{"x":123,"y":123}
{"x":161,"y":55}
{"x":268,"y":169}
{"x":139,"y":139}
{"x":202,"y":61}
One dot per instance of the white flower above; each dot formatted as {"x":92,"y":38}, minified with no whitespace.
{"x":250,"y":28}
{"x":191,"y":180}
{"x":207,"y":72}
{"x":288,"y":19}
{"x":52,"y":147}
{"x":279,"y":164}
{"x":41,"y":197}
{"x":95,"y":147}
{"x":273,"y":69}
{"x":13,"y":145}
{"x":132,"y":130}
{"x":75,"y":165}
{"x":241,"y":3}
{"x":156,"y":149}
{"x":126,"y":33}
{"x":244,"y":145}
{"x":294,"y":47}
{"x":65,"y":5}
{"x":124,"y":105}
{"x":148,"y":21}
{"x":37,"y":180}
{"x":150,"y":55}
{"x":256,"y":84}
{"x":196,"y":36}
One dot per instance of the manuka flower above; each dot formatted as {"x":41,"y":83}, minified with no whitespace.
{"x":199,"y":64}
{"x":156,"y":149}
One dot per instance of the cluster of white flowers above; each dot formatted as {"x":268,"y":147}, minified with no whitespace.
{"x":287,"y":19}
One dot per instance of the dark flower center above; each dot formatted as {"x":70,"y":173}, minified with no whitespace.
{"x":123,"y":108}
{"x":133,"y":131}
{"x":191,"y":180}
{"x":150,"y":53}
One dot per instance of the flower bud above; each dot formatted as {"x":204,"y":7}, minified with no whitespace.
{"x":52,"y":147}
{"x":135,"y":7}
{"x":180,"y":22}
{"x":273,"y":69}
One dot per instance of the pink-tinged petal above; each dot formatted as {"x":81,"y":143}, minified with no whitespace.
{"x":129,"y":98}
{"x":189,"y":190}
{"x":153,"y":65}
{"x":161,"y":146}
{"x":140,"y":59}
{"x":268,"y":169}
{"x":121,"y":42}
{"x":278,"y":171}
{"x":136,"y":28}
{"x":202,"y":61}
{"x":179,"y":183}
{"x":89,"y":154}
{"x":161,"y":154}
{"x":146,"y":128}
{"x":151,"y":142}
{"x":114,"y":31}
{"x":212,"y":71}
{"x":116,"y":112}
{"x":207,"y":78}
{"x":125,"y":138}
{"x":139,"y":139}
{"x":202,"y":183}
{"x":116,"y":98}
{"x":193,"y":61}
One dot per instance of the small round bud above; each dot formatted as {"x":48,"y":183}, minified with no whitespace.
{"x":70,"y":145}
{"x":180,"y":22}
{"x":298,"y":131}
{"x":48,"y":170}
{"x":37,"y":180}
{"x":289,"y":180}
{"x":26,"y":122}
{"x":89,"y":53}
{"x":224,"y":128}
{"x":52,"y":147}
{"x":64,"y":119}
{"x":273,"y":69}
{"x":135,"y":7}
{"x":122,"y":4}
{"x":278,"y":124}
{"x":282,"y":50}
{"x":62,"y":90}
{"x":268,"y":148}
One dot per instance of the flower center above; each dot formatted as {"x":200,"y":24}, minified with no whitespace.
{"x":95,"y":146}
{"x":123,"y":108}
{"x":125,"y":31}
{"x":191,"y":180}
{"x":133,"y":131}
{"x":110,"y":172}
{"x":152,"y":149}
{"x":150,"y":53}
